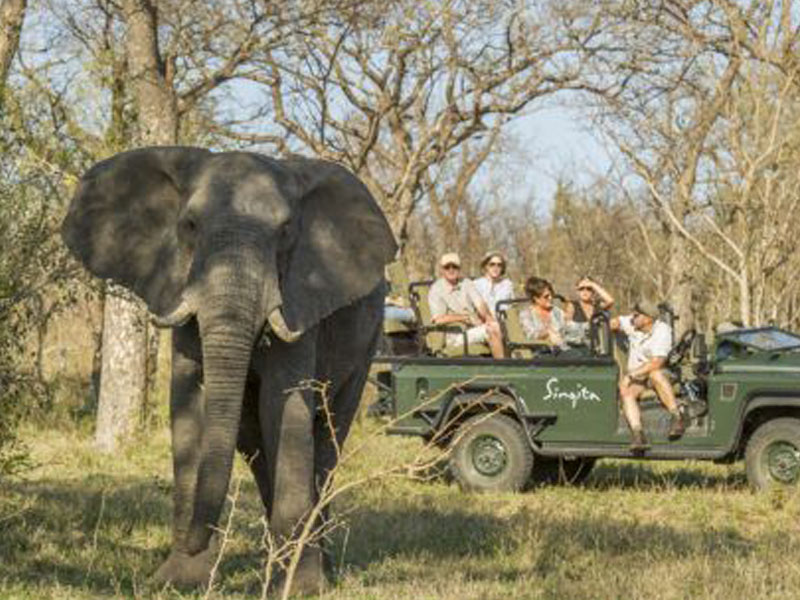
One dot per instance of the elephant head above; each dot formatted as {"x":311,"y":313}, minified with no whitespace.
{"x":181,"y":225}
{"x":243,"y":242}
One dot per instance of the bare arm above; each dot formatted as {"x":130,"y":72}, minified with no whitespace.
{"x":614,"y":324}
{"x":606,"y":299}
{"x":451,"y":318}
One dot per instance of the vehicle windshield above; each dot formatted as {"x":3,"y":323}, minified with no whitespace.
{"x":769,"y":338}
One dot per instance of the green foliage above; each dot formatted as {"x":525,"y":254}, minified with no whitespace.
{"x":31,"y":263}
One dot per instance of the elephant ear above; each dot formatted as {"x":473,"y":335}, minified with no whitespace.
{"x":122,"y":220}
{"x":343,"y":244}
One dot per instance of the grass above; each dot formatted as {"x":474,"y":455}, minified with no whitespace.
{"x":83,"y":525}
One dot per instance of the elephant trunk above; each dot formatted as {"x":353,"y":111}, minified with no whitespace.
{"x":240,"y":294}
{"x":230,"y":316}
{"x":226,"y":358}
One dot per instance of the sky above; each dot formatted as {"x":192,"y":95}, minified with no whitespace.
{"x":559,"y":145}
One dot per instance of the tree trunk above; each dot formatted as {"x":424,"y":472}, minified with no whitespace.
{"x":12,"y":13}
{"x":680,"y":283}
{"x":745,"y":300}
{"x":158,"y":126}
{"x":122,"y":369}
{"x":124,"y":378}
{"x":154,"y":98}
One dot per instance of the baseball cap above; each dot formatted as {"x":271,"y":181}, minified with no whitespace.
{"x":646,"y":307}
{"x":449,"y":258}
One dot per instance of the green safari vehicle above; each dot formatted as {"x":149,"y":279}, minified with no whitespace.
{"x":543,"y":416}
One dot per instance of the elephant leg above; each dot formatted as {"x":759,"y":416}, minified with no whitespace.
{"x":186,"y":420}
{"x":250,"y":443}
{"x":287,"y":422}
{"x":330,"y":433}
{"x":349,"y":340}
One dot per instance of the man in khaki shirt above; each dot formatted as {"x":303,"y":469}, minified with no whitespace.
{"x":454,"y":300}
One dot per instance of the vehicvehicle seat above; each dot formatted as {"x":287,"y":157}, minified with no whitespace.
{"x":397,"y":277}
{"x":517,"y":345}
{"x":433,"y":337}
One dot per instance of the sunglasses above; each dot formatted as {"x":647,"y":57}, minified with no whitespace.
{"x":451,"y":266}
{"x":584,"y":288}
{"x":495,"y":264}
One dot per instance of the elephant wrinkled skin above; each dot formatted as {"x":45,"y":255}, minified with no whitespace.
{"x":270,"y":273}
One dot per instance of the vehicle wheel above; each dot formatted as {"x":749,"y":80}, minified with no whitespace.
{"x":491,"y":454}
{"x":773,"y":454}
{"x":549,"y":470}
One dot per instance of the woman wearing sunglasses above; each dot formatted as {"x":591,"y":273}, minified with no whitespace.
{"x":494,"y":286}
{"x":592,"y":297}
{"x":542,"y":321}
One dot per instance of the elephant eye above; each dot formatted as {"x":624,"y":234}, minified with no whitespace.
{"x":187,"y":229}
{"x":284,"y":232}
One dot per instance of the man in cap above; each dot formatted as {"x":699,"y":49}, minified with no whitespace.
{"x":650,"y":340}
{"x":454,"y":300}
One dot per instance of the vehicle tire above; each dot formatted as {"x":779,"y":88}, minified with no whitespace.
{"x":772,"y":456}
{"x":571,"y":471}
{"x":491,"y":454}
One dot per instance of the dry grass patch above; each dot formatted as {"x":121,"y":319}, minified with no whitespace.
{"x":87,"y":526}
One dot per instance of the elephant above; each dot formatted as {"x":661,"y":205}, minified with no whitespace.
{"x":270,"y":273}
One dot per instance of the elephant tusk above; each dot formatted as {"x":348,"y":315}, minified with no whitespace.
{"x":278,"y":325}
{"x":182,"y":313}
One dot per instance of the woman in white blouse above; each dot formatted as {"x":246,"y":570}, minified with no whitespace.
{"x":494,"y":286}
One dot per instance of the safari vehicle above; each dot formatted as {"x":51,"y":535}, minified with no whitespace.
{"x":544,"y":415}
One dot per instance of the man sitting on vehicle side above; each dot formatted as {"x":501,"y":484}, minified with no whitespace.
{"x":650,"y":341}
{"x":454,"y":300}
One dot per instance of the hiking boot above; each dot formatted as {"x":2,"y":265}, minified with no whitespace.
{"x":638,"y":441}
{"x":676,"y":426}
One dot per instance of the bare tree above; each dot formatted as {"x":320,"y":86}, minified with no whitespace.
{"x":12,"y":14}
{"x":754,"y":208}
{"x":679,"y":66}
{"x":394,"y":90}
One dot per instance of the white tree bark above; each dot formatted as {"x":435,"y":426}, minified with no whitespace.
{"x":124,"y":375}
{"x":122,"y":369}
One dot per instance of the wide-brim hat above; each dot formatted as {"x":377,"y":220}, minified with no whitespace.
{"x":490,"y":255}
